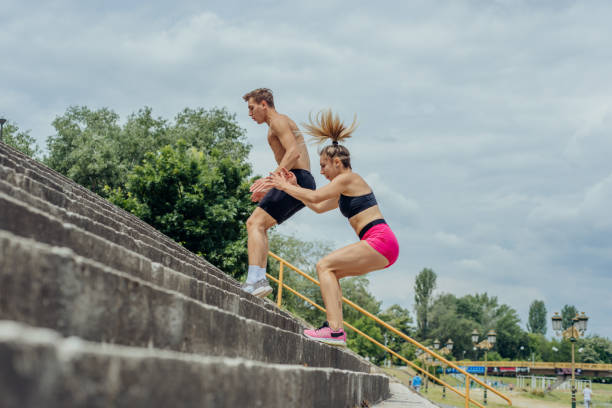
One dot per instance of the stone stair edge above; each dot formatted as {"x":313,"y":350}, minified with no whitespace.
{"x":11,"y":330}
{"x":243,"y":303}
{"x":150,"y":323}
{"x":115,"y":255}
{"x":172,"y":245}
{"x":66,"y":181}
{"x":85,"y":374}
{"x":93,"y":226}
{"x":216,"y":272}
{"x":143,"y":231}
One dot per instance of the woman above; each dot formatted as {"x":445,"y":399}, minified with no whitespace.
{"x":377,"y":248}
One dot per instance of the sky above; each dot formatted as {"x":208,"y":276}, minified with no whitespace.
{"x":484,"y":126}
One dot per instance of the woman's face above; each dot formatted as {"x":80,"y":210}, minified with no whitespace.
{"x":329,"y":168}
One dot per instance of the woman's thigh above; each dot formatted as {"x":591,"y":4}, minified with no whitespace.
{"x":353,"y":260}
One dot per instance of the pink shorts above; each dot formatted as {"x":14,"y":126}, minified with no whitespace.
{"x":382,"y":239}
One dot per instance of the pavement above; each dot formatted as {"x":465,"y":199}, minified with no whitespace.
{"x":404,"y":397}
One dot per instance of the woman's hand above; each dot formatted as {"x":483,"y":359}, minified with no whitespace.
{"x":261,"y":186}
{"x":282,"y":179}
{"x":259,"y":189}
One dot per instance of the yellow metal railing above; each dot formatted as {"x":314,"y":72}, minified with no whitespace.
{"x":468,"y":377}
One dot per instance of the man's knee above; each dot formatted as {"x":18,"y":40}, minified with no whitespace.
{"x":252,"y":223}
{"x":258,"y":221}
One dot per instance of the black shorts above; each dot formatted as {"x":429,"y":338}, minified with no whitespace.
{"x":281,"y":205}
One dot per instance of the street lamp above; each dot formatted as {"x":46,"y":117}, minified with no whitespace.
{"x":428,"y":361}
{"x":2,"y":122}
{"x":475,"y":336}
{"x":572,"y":333}
{"x":486,"y":345}
{"x":448,"y":348}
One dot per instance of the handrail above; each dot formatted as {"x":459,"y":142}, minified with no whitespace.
{"x":392,"y":329}
{"x":376,"y":342}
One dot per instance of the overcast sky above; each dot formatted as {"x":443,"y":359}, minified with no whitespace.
{"x":484,"y":125}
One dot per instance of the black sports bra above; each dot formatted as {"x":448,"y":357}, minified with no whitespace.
{"x":351,"y":205}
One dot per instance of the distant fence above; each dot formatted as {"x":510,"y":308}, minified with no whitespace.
{"x":490,"y":370}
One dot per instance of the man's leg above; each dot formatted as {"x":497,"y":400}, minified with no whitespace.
{"x":257,"y":229}
{"x":258,"y":225}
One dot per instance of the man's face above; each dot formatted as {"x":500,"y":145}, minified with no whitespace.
{"x":257,"y":111}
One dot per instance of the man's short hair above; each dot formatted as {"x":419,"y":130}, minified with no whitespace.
{"x":260,"y":94}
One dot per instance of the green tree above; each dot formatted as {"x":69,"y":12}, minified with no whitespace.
{"x":567,"y":315}
{"x":424,"y":285}
{"x":458,"y":317}
{"x":200,"y":200}
{"x":93,"y":149}
{"x":399,"y":318}
{"x":20,"y":140}
{"x":85,"y":148}
{"x":446,"y":322}
{"x":537,"y":317}
{"x":595,"y":350}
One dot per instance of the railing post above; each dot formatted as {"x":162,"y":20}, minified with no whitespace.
{"x":485,"y":378}
{"x":280,"y":285}
{"x":467,"y":392}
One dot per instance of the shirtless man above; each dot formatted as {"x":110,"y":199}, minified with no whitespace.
{"x":275,"y":206}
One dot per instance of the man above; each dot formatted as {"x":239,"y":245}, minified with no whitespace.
{"x":275,"y":206}
{"x":587,"y":396}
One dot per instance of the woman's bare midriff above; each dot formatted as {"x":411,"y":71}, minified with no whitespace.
{"x":358,"y":221}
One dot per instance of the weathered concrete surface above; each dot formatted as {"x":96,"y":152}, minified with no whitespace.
{"x":50,"y":187}
{"x":23,"y":220}
{"x":52,"y":287}
{"x":40,"y":369}
{"x":403,"y":397}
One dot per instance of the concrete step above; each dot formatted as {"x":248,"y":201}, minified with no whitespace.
{"x":55,"y":189}
{"x":41,"y":369}
{"x":26,"y":221}
{"x":118,"y":226}
{"x":53,"y":287}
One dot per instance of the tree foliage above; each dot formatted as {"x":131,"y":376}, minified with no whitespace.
{"x":456,"y":318}
{"x":200,"y":200}
{"x":537,"y":317}
{"x":567,"y":315}
{"x":93,"y":149}
{"x":188,"y":177}
{"x":424,"y":285}
{"x":20,"y":140}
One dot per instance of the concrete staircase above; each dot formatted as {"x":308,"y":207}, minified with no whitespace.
{"x":98,"y":309}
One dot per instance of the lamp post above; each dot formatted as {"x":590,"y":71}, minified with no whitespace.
{"x":447,"y":349}
{"x":428,"y":361}
{"x":572,"y":333}
{"x":486,"y":345}
{"x":2,"y":122}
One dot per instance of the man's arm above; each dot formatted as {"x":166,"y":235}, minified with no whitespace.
{"x":281,"y":129}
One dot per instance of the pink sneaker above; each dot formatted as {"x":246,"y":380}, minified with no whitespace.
{"x":325,"y":334}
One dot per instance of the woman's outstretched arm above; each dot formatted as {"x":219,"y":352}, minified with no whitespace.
{"x":324,"y":195}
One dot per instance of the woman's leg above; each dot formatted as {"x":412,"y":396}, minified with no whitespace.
{"x":353,"y":260}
